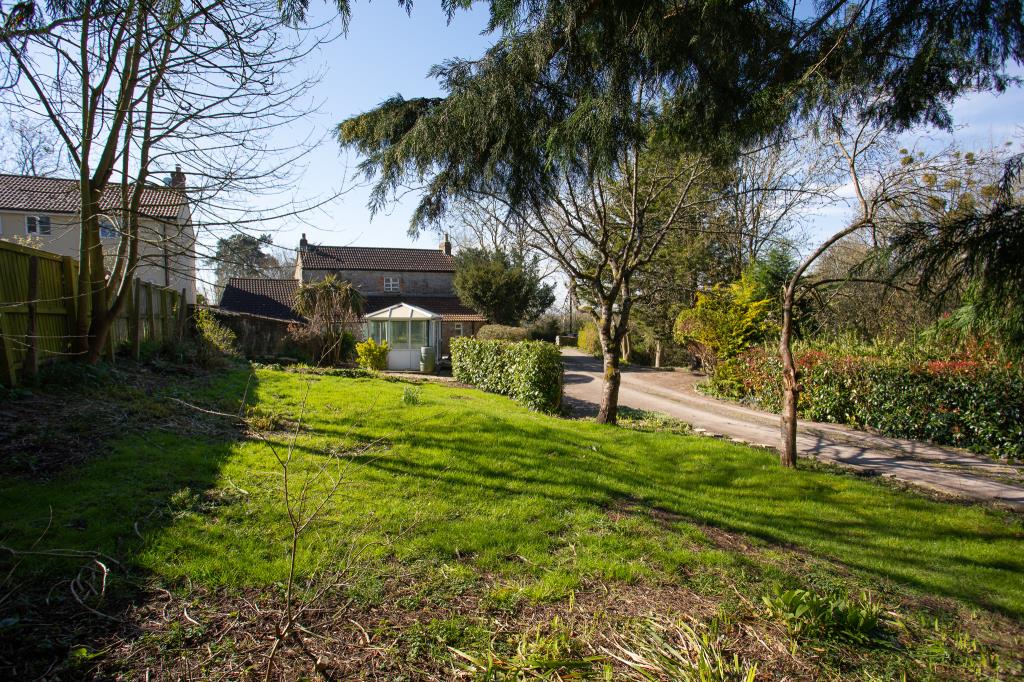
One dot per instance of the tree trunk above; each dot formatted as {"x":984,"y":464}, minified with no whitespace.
{"x":790,"y":385}
{"x":609,"y":411}
{"x":657,"y":354}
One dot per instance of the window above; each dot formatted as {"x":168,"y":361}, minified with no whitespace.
{"x":37,"y":224}
{"x":107,"y":229}
{"x":419,"y":334}
{"x":392,"y":284}
{"x":457,"y":329}
{"x":399,"y":334}
{"x":378,"y":331}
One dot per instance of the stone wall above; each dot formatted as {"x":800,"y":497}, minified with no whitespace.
{"x":258,"y":337}
{"x":372,"y":281}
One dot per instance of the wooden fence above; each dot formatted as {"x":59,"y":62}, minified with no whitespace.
{"x":37,"y":312}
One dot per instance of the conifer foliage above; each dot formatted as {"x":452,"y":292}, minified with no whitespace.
{"x":574,"y":94}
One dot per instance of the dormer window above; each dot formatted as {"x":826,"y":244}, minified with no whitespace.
{"x":392,"y":284}
{"x":37,"y":224}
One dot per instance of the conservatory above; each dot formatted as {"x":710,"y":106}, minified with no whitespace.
{"x":410,"y":332}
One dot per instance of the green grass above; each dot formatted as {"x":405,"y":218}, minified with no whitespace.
{"x":538,"y":504}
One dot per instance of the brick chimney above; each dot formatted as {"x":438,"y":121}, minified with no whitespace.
{"x":303,"y":244}
{"x":446,"y":245}
{"x":177,"y":178}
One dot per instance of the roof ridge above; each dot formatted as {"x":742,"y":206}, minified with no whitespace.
{"x":266,"y":279}
{"x":112,"y":183}
{"x":388,"y":248}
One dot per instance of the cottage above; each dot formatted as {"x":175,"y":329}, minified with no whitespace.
{"x":410,"y":295}
{"x":45,"y":213}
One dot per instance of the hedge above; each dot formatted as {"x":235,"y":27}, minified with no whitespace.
{"x":975,"y":404}
{"x":530,"y":372}
{"x":501,"y":332}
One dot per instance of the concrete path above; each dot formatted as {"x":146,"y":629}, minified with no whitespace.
{"x":946,"y":470}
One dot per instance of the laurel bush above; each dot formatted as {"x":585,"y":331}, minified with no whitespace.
{"x":530,"y":372}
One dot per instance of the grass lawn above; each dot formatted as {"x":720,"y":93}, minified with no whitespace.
{"x":505,"y":535}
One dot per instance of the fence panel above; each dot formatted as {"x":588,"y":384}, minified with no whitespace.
{"x":39,"y":328}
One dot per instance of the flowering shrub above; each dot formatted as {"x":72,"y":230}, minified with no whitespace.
{"x":530,"y":372}
{"x":372,"y":355}
{"x":972,"y":403}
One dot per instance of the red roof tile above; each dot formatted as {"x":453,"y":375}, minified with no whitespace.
{"x":60,"y":195}
{"x":376,"y":258}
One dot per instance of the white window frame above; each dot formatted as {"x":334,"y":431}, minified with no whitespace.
{"x":458,"y":329}
{"x":392,"y":285}
{"x":33,"y":224}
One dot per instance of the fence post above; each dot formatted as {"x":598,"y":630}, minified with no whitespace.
{"x":30,"y":367}
{"x":110,"y":345}
{"x":6,"y":355}
{"x":182,"y":315}
{"x":150,"y":317}
{"x":69,"y":291}
{"x":135,"y":321}
{"x":165,"y":315}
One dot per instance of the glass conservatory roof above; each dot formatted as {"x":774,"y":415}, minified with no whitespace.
{"x":402,"y":311}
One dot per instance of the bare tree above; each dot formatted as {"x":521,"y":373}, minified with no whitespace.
{"x":30,"y":149}
{"x":883,"y":182}
{"x":771,"y":188}
{"x":604,"y":230}
{"x":135,"y":86}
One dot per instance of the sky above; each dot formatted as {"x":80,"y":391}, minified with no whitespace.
{"x":387,"y":52}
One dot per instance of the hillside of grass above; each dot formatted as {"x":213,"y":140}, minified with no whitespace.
{"x":463,"y":504}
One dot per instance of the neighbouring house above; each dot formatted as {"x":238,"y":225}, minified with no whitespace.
{"x":44,"y":213}
{"x":410,"y":295}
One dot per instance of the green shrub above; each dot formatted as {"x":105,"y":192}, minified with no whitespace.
{"x":973,"y":403}
{"x":500,"y":332}
{"x":588,"y":339}
{"x":372,"y":355}
{"x":214,"y":341}
{"x":546,"y":328}
{"x":529,"y":372}
{"x":806,"y":614}
{"x":308,"y":344}
{"x":724,"y":322}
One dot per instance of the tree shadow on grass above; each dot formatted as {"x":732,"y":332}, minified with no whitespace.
{"x":75,"y":537}
{"x":968,"y":553}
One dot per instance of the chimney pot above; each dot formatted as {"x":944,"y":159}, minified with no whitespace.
{"x":446,"y":246}
{"x":177,"y":177}
{"x":303,"y":244}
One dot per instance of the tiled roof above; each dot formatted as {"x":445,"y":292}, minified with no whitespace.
{"x":275,"y":297}
{"x":60,"y":195}
{"x":450,"y":308}
{"x":376,"y":258}
{"x":266,"y":297}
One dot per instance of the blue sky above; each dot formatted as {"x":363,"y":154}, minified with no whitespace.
{"x":388,"y":52}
